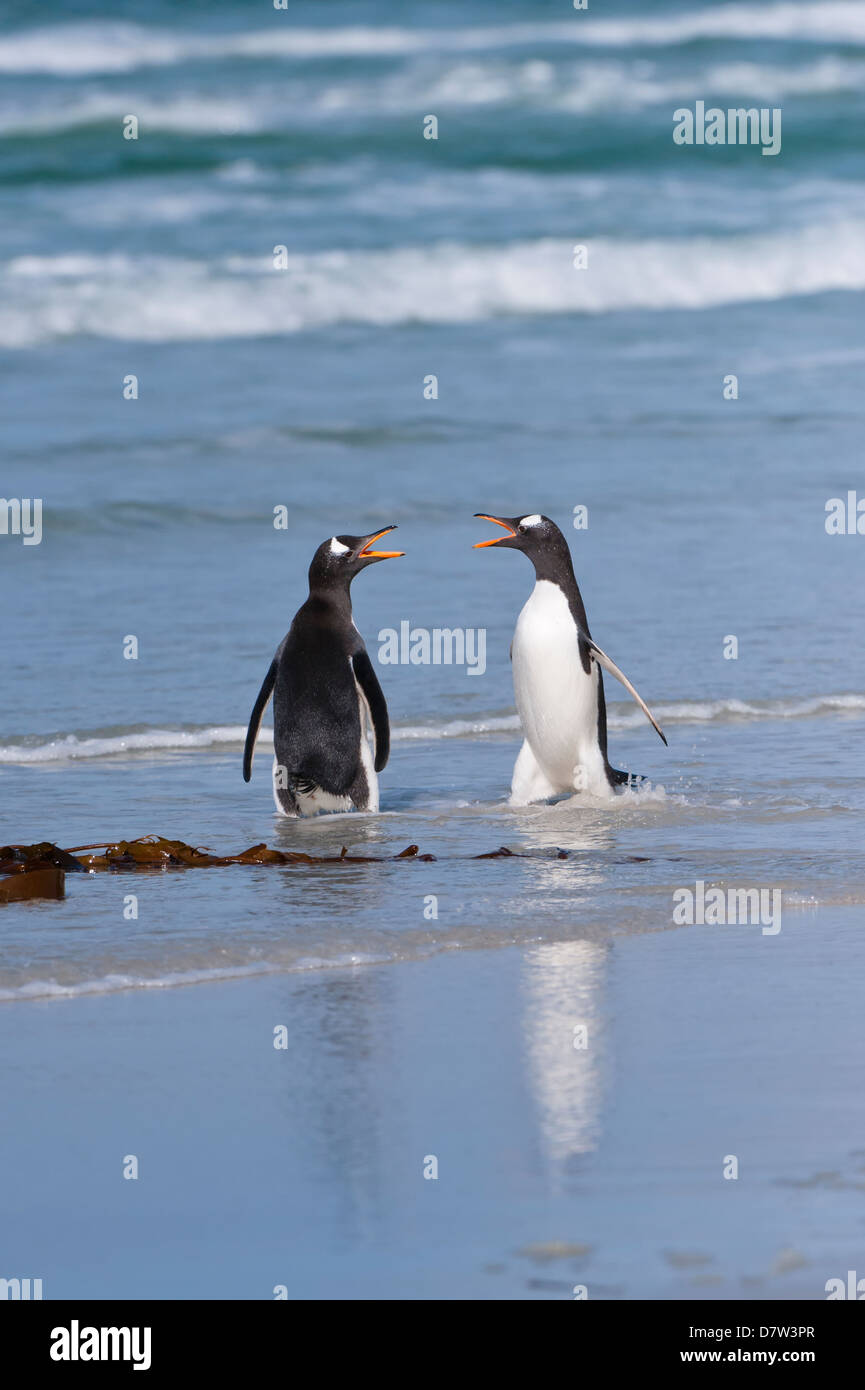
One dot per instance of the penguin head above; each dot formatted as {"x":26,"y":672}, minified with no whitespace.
{"x":534,"y":534}
{"x":339,"y":559}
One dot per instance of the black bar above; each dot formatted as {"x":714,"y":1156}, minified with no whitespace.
{"x":224,"y":1338}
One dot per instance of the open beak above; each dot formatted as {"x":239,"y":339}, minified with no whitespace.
{"x":479,"y":545}
{"x":367,"y":554}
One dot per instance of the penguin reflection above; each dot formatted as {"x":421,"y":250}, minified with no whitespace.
{"x":566,"y":1045}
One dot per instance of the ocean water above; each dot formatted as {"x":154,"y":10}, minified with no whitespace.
{"x":303,"y":388}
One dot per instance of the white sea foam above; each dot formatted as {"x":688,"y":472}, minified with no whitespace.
{"x":578,"y":87}
{"x":110,"y":983}
{"x":601,"y":84}
{"x":116,"y":46}
{"x":381,"y":951}
{"x":156,"y":299}
{"x":76,"y":746}
{"x":771,"y":83}
{"x":113,"y":982}
{"x":581,"y":87}
{"x":732,"y":710}
{"x":183,"y":113}
{"x":73,"y":747}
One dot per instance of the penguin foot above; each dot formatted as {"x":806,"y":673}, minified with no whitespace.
{"x":529,"y":782}
{"x":286,"y":803}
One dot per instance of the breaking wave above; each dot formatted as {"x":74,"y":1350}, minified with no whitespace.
{"x":117,"y":47}
{"x":159,"y":299}
{"x":102,"y":744}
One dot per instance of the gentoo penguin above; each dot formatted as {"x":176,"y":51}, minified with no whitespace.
{"x":557,"y":681}
{"x":325,"y":694}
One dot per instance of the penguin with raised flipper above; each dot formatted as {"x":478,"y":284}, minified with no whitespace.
{"x":558,"y":684}
{"x":326,"y":695}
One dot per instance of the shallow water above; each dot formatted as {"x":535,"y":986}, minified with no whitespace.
{"x":431,"y":1005}
{"x":304,"y":389}
{"x":557,"y":1168}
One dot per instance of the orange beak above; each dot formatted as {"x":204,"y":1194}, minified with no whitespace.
{"x":479,"y":545}
{"x":367,"y":554}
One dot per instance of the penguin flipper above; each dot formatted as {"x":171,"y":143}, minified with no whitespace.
{"x":372,"y":693}
{"x":608,"y":665}
{"x":255,"y":719}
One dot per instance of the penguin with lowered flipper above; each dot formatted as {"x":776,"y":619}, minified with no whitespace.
{"x":557,"y":679}
{"x":325,"y":694}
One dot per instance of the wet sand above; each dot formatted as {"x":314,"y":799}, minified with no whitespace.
{"x":598,"y":1166}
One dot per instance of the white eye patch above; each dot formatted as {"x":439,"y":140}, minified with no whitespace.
{"x":534,"y":520}
{"x":337,"y":548}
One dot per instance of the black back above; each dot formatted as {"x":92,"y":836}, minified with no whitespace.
{"x":315,"y":679}
{"x":316,"y":708}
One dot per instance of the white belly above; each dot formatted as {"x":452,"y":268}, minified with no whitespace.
{"x":556,"y":699}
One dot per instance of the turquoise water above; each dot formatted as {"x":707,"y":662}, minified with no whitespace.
{"x":303,"y":388}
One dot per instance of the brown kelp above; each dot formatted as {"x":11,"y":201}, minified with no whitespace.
{"x":38,"y":871}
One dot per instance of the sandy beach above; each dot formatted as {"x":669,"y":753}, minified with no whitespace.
{"x":271,"y":277}
{"x":303,"y":1167}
